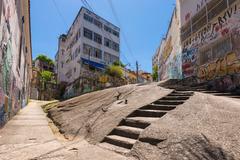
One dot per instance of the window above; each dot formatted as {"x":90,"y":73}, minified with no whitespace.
{"x":115,"y":46}
{"x":110,"y":44}
{"x":88,"y":18}
{"x":87,"y":49}
{"x":114,"y":59}
{"x":97,"y":53}
{"x":107,"y":42}
{"x":115,"y":33}
{"x":107,"y":57}
{"x":87,"y":33}
{"x":77,"y":51}
{"x":98,"y":23}
{"x":108,"y":29}
{"x":97,"y":38}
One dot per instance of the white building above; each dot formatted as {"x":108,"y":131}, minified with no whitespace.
{"x":91,"y":43}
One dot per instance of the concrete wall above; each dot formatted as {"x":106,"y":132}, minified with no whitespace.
{"x":170,"y":50}
{"x":212,"y":54}
{"x":15,"y":57}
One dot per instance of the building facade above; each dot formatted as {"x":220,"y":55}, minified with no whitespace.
{"x":44,"y":66}
{"x":15,"y":57}
{"x":90,"y":45}
{"x":206,"y":49}
{"x":210,"y":37}
{"x":168,"y":55}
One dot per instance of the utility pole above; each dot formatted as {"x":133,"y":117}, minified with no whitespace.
{"x":137,"y":65}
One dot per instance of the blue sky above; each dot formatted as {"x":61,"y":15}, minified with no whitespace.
{"x":144,"y":23}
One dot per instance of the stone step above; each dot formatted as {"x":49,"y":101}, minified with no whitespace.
{"x":148,"y":113}
{"x":152,"y":141}
{"x":127,"y":131}
{"x":159,"y":107}
{"x":183,"y":92}
{"x":114,"y":148}
{"x":146,"y":120}
{"x":179,"y":95}
{"x":135,"y":122}
{"x":238,"y":97}
{"x":199,"y":89}
{"x":225,"y":94}
{"x":175,"y":98}
{"x":120,"y":141}
{"x":169,"y":102}
{"x":206,"y":91}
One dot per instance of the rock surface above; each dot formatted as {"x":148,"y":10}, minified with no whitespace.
{"x":204,"y":127}
{"x":95,"y":114}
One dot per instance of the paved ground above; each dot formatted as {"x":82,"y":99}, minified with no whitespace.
{"x":28,"y":136}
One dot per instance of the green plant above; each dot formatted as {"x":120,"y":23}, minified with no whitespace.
{"x":44,"y":58}
{"x":115,"y":71}
{"x":118,"y":63}
{"x":155,"y":73}
{"x":46,"y":76}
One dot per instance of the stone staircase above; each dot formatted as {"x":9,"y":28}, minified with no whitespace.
{"x":203,"y":89}
{"x":122,"y":138}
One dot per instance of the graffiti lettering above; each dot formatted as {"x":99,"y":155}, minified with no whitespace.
{"x":188,"y":62}
{"x":226,"y":66}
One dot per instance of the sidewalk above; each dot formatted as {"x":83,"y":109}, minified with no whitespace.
{"x":28,"y":136}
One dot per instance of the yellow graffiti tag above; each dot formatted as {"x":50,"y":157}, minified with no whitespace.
{"x":230,"y":64}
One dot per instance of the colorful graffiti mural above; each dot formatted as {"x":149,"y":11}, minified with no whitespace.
{"x":212,"y":54}
{"x":189,"y":63}
{"x":12,"y":83}
{"x":228,"y":65}
{"x":223,"y":25}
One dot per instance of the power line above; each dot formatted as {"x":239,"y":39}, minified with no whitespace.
{"x":86,"y":4}
{"x":123,"y":33}
{"x":59,"y":12}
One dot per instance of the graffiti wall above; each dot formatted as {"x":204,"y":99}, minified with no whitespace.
{"x":189,"y":63}
{"x":229,"y":65}
{"x":212,"y":54}
{"x":170,"y":60}
{"x":189,"y":8}
{"x":12,"y":80}
{"x":221,"y":26}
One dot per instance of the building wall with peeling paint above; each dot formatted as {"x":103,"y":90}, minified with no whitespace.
{"x":15,"y":57}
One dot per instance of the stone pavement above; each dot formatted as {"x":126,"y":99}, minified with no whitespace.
{"x":28,"y":136}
